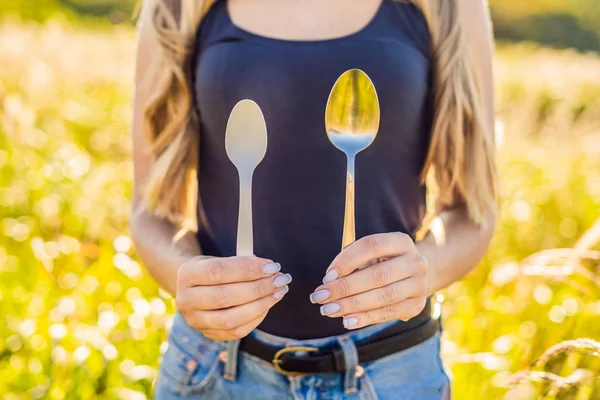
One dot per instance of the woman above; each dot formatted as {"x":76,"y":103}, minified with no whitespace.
{"x":242,"y":331}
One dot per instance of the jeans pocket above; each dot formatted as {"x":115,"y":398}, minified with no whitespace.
{"x":367,"y":390}
{"x":190,"y":364}
{"x":448,"y":387}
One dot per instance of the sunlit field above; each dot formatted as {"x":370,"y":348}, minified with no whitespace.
{"x":82,"y":320}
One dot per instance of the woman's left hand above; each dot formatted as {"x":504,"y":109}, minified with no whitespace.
{"x":376,"y":279}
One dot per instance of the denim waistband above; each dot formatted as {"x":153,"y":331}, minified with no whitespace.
{"x":359,"y":335}
{"x":355,"y":336}
{"x":181,"y":326}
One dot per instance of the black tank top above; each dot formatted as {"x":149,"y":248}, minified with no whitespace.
{"x":299,"y":188}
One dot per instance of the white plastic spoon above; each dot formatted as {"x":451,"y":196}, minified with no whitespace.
{"x":246,"y":145}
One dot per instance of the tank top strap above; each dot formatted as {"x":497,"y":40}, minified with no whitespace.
{"x":217,"y":27}
{"x":394,"y":19}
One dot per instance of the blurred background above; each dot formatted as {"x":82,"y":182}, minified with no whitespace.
{"x":83,"y":321}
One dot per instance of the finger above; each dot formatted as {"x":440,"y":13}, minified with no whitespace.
{"x":236,"y":333}
{"x":366,"y":250}
{"x":373,"y":262}
{"x":403,"y":310}
{"x":373,"y":277}
{"x":376,"y":298}
{"x":230,"y":294}
{"x":234,"y":317}
{"x":217,"y":271}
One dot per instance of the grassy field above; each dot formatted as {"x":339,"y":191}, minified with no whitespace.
{"x":83,"y":321}
{"x":559,"y":23}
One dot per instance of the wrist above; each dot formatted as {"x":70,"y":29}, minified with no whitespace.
{"x":429,"y":249}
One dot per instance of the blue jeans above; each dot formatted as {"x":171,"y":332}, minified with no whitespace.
{"x":195,"y":367}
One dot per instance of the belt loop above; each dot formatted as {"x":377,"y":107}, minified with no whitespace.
{"x":230,"y":368}
{"x":350,"y":362}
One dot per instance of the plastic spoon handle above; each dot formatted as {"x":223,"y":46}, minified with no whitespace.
{"x":245,"y":241}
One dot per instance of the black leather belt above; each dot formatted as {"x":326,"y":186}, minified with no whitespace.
{"x":318,"y":361}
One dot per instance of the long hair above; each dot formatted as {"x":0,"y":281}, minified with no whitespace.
{"x":461,"y":150}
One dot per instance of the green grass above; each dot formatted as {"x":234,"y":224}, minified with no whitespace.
{"x":82,"y":320}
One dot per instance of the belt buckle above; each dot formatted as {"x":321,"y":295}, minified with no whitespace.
{"x":292,"y":349}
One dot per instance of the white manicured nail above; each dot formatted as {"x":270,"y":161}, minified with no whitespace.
{"x":350,"y":322}
{"x":331,"y":276}
{"x":319,"y":296}
{"x":330,"y":308}
{"x":281,"y":293}
{"x":272,"y":268}
{"x":282,"y":280}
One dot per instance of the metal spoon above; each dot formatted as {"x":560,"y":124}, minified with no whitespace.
{"x":246,"y":145}
{"x":352,"y":121}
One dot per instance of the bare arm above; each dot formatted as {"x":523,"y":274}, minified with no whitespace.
{"x":466,"y":243}
{"x":153,"y":237}
{"x":224,"y":298}
{"x":465,"y":246}
{"x":401,"y":275}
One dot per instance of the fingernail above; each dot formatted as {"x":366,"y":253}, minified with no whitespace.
{"x":282,"y":280}
{"x":281,"y":293}
{"x":330,"y":308}
{"x":272,"y":268}
{"x":319,"y":296}
{"x":350,"y":322}
{"x":331,"y":276}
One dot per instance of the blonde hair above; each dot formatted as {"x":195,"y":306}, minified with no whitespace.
{"x":461,"y":152}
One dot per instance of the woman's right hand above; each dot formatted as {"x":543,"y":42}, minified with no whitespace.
{"x":226,"y":298}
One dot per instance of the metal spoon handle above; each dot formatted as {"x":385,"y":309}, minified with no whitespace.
{"x":245,"y":242}
{"x":349,"y":233}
